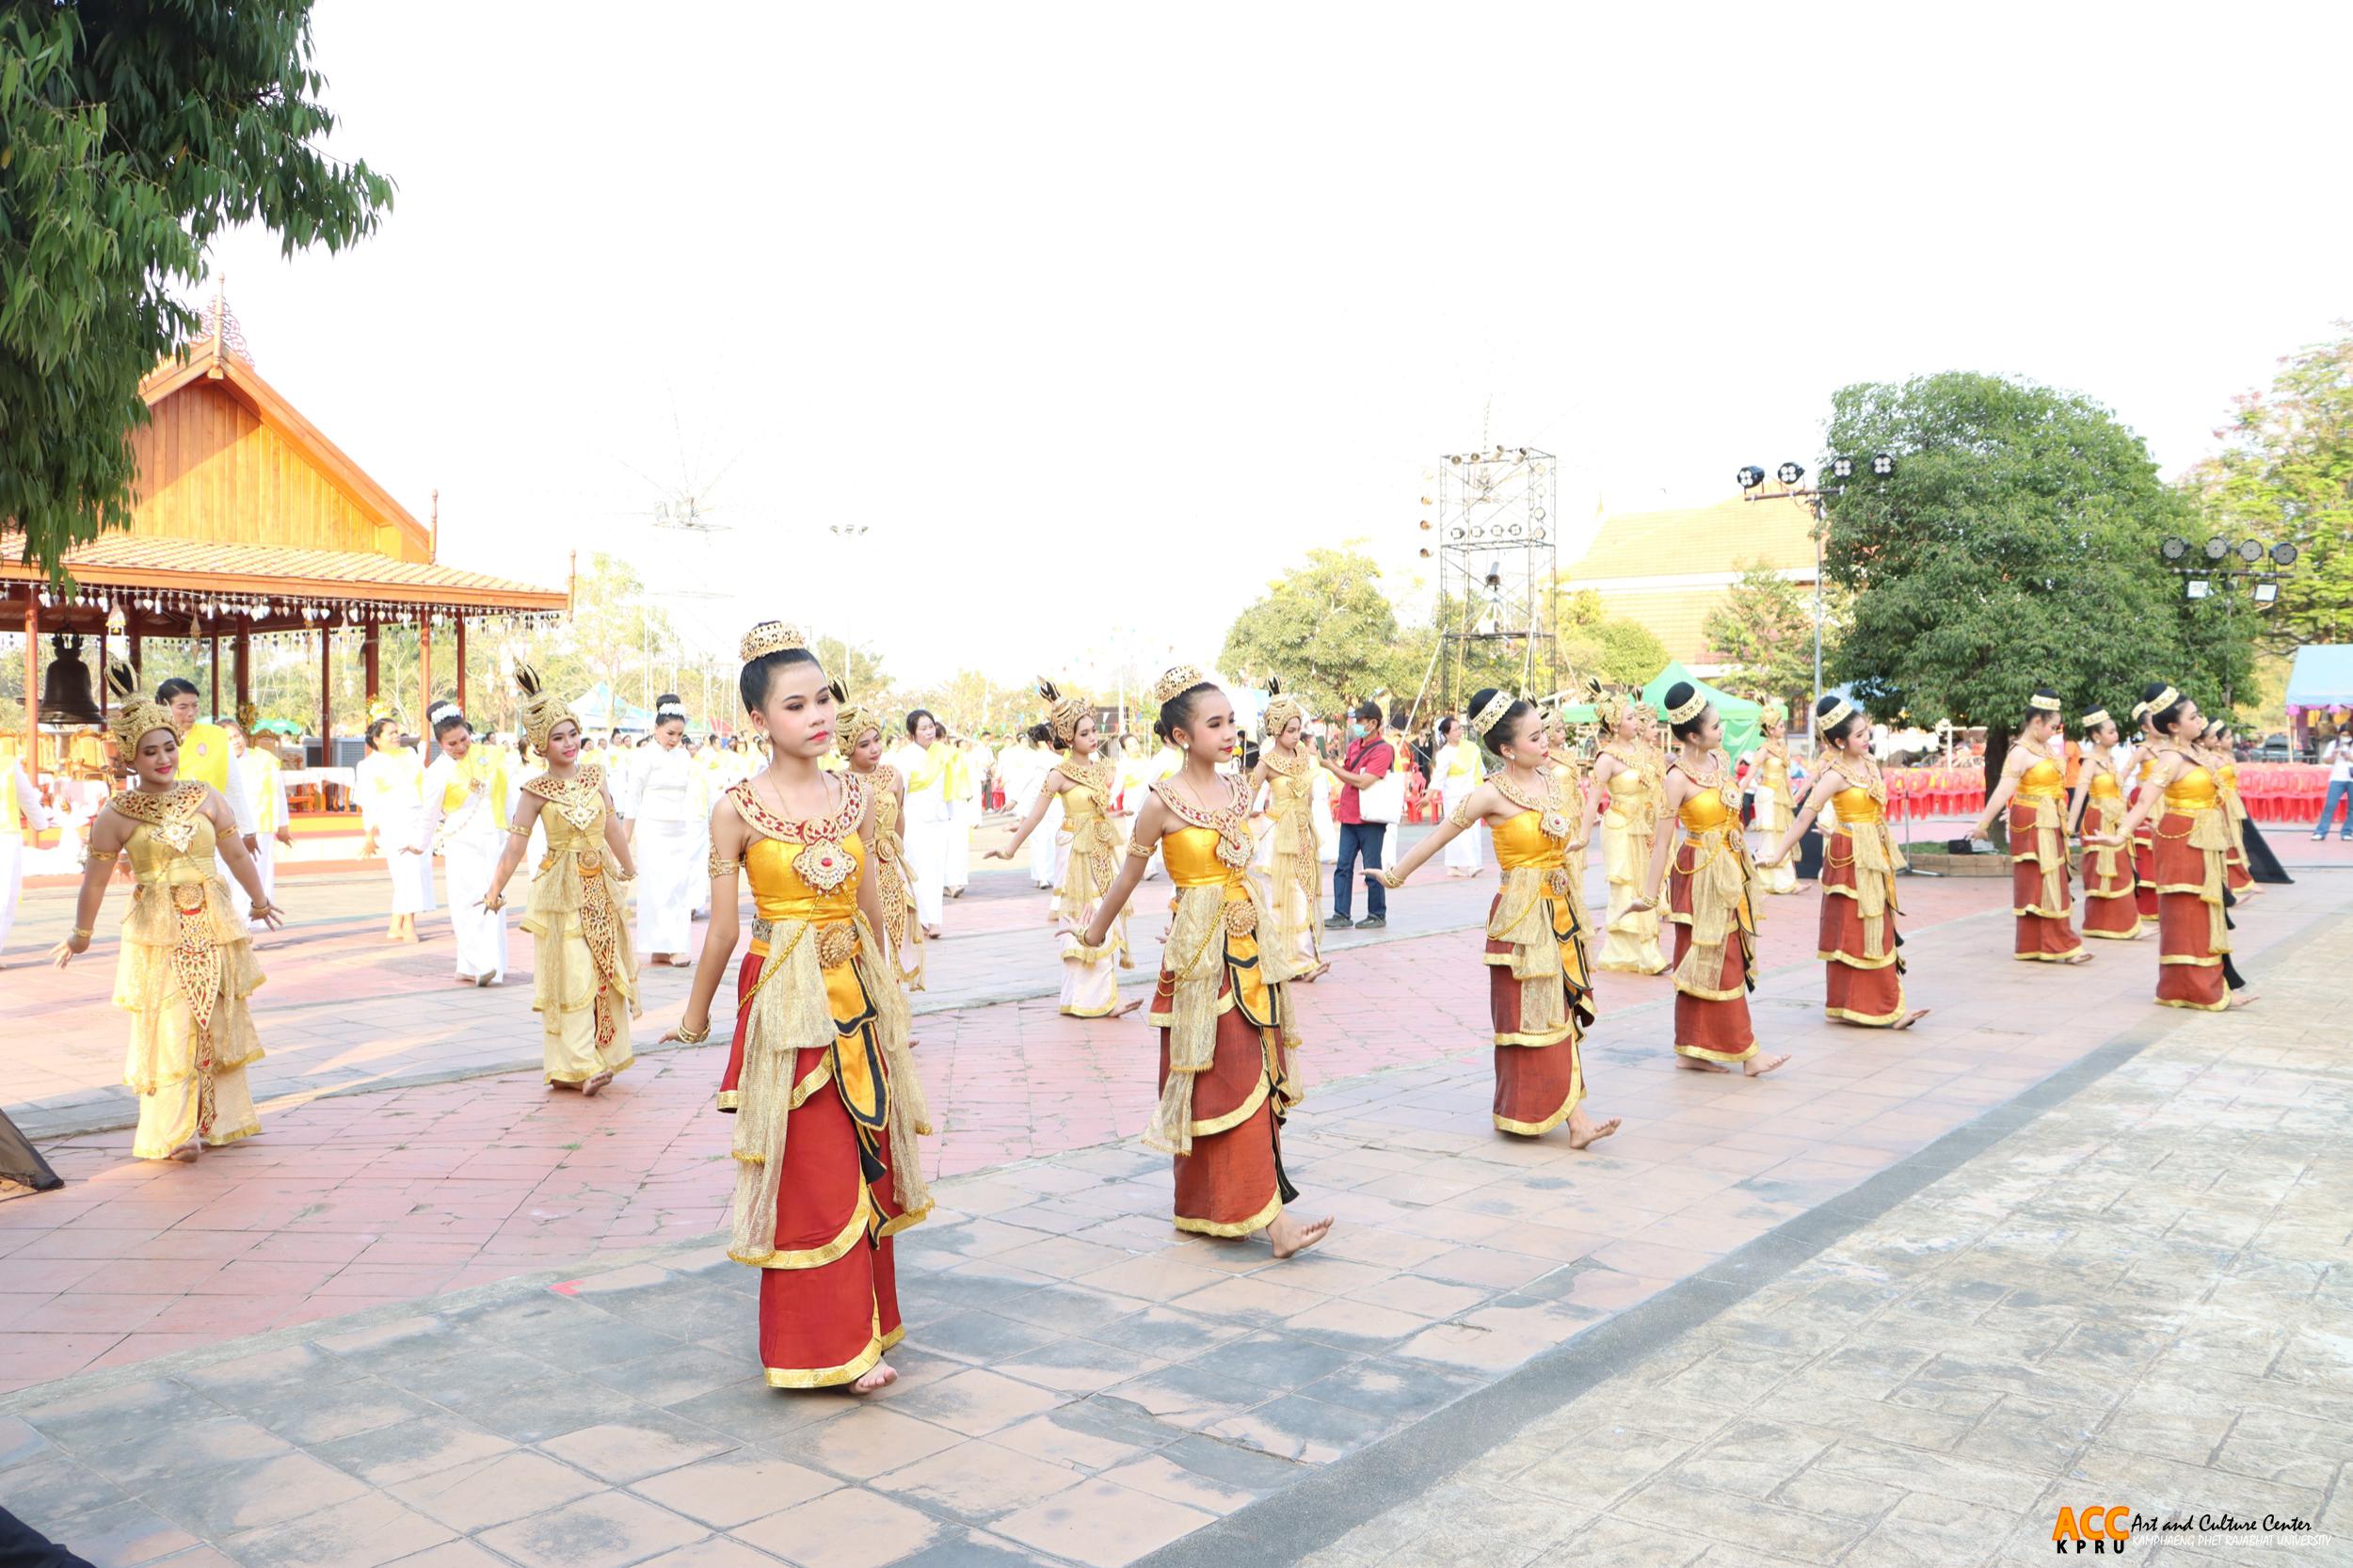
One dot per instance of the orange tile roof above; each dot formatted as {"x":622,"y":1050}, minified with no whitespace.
{"x":1727,"y":536}
{"x":146,"y":561}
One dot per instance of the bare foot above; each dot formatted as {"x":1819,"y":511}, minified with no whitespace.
{"x":2241,"y":999}
{"x":1291,"y":1237}
{"x":1583,"y":1133}
{"x":881,"y":1375}
{"x":1313,"y":975}
{"x":1758,"y":1069}
{"x":1911,"y":1018}
{"x":590,"y":1089}
{"x":2078,"y":958}
{"x":931,"y":934}
{"x":187,"y":1153}
{"x":1126,"y":1007}
{"x":1699,"y":1064}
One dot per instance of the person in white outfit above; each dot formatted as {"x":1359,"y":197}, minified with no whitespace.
{"x":1461,"y":769}
{"x":389,"y":784}
{"x":21,"y":811}
{"x":264,"y":780}
{"x":666,"y":798}
{"x":468,"y":800}
{"x":964,"y":814}
{"x":925,"y":763}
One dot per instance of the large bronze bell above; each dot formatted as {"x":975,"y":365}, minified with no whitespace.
{"x":65,"y":690}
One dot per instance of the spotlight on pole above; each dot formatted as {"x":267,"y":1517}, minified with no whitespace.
{"x":2284,"y":555}
{"x":1749,"y":477}
{"x":1790,"y":474}
{"x":2197,"y":587}
{"x":2250,"y":551}
{"x":2217,"y":548}
{"x":2174,"y":548}
{"x":2267,"y":593}
{"x":1883,"y":464}
{"x":1842,"y":468}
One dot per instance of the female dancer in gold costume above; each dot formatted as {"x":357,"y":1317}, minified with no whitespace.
{"x":1227,"y":1045}
{"x":1863,"y":980}
{"x":187,"y":963}
{"x":2192,"y":842}
{"x":1627,"y":769}
{"x":583,"y":976}
{"x":2097,"y":809}
{"x":2221,"y":759}
{"x":1286,"y":771}
{"x":1090,"y":971}
{"x":2034,"y":785}
{"x":1540,"y":994}
{"x":858,"y":736}
{"x":826,"y":1101}
{"x":1712,"y":897}
{"x":1774,"y":805}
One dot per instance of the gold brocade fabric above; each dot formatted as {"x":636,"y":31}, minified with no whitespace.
{"x":823,"y":982}
{"x":186,"y":966}
{"x":2104,"y":808}
{"x":2040,"y":789}
{"x":1863,"y":812}
{"x":1537,"y":887}
{"x":1772,"y":779}
{"x":1213,"y":939}
{"x":1629,"y":832}
{"x":900,"y":929}
{"x":575,"y":896}
{"x":1721,"y":881}
{"x":1095,"y":843}
{"x":1293,"y":865}
{"x":2196,"y":793}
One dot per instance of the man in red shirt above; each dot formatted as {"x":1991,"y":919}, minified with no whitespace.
{"x":1369,"y":761}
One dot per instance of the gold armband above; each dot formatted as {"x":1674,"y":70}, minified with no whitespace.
{"x":1461,"y":816}
{"x":519,"y":832}
{"x":724,"y":868}
{"x":1141,"y":851}
{"x":105,"y":856}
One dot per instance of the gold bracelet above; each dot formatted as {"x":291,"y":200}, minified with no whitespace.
{"x":495,"y":901}
{"x":692,"y":1037}
{"x":83,"y":932}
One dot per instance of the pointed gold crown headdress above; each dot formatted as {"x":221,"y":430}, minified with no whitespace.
{"x":1062,"y":712}
{"x":771,"y":637}
{"x":1609,"y":707}
{"x":539,"y":711}
{"x":1176,"y":682}
{"x":136,"y":713}
{"x":1281,"y":708}
{"x":850,"y":722}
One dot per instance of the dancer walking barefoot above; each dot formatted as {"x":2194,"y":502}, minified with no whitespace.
{"x":2033,"y":786}
{"x":1863,"y":982}
{"x":1625,"y":769}
{"x":1712,"y":897}
{"x":1285,"y":772}
{"x":2192,"y":840}
{"x":1774,"y":803}
{"x":826,"y":1101}
{"x":1540,"y":993}
{"x":1083,"y":782}
{"x":1229,"y":1075}
{"x":584,"y":977}
{"x":859,"y":737}
{"x":467,"y":804}
{"x":187,"y":963}
{"x":2094,"y":813}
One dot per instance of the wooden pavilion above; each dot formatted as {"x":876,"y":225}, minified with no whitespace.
{"x":248,"y":521}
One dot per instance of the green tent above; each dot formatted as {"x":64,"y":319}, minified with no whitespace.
{"x":1739,"y":715}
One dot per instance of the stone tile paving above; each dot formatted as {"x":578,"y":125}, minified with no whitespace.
{"x":358,"y":1199}
{"x":1082,"y":1385}
{"x":2143,"y":1297}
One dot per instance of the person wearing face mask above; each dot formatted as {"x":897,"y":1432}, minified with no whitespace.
{"x":1369,"y":759}
{"x":583,"y":973}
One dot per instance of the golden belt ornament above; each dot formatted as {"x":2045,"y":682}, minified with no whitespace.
{"x":591,"y":862}
{"x":836,"y":945}
{"x":1557,"y":882}
{"x":1241,"y":918}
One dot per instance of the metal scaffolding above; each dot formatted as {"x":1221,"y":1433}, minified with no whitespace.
{"x":1497,"y":525}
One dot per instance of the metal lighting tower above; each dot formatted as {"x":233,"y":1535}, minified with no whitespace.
{"x":1495,"y":526}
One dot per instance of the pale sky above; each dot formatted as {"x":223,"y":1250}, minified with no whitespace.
{"x":1097,"y":317}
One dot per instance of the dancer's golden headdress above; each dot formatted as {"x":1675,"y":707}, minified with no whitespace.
{"x":771,"y":637}
{"x":2094,"y":719}
{"x":1062,"y":713}
{"x":136,"y":714}
{"x":1839,"y":713}
{"x":849,"y":721}
{"x":539,"y":711}
{"x":1176,"y":682}
{"x":1772,"y":710}
{"x":2163,"y":700}
{"x":248,"y":715}
{"x":1691,"y":709}
{"x":1492,"y":714}
{"x":1609,"y":707}
{"x":2042,"y":704}
{"x":1281,"y":708}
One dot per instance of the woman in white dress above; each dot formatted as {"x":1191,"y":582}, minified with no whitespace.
{"x":666,"y":798}
{"x":21,"y":811}
{"x":1461,"y":769}
{"x":390,"y":785}
{"x":262,"y":778}
{"x":468,"y":800}
{"x":926,"y":764}
{"x":964,"y":812}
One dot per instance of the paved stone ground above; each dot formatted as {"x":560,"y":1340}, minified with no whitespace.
{"x":1082,"y":1386}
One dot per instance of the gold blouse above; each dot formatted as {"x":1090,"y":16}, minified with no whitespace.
{"x":1523,"y":841}
{"x":1855,"y":804}
{"x":2192,"y":790}
{"x":2044,"y":780}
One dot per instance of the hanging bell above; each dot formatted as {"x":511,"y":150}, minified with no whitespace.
{"x":65,"y":688}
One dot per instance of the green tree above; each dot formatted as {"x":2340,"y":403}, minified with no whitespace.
{"x":2015,"y":546}
{"x":1764,"y":633}
{"x":130,"y":134}
{"x":1622,"y":652}
{"x":2286,"y":473}
{"x":1326,"y":629}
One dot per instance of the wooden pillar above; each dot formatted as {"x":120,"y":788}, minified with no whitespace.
{"x":32,"y":683}
{"x":462,"y":661}
{"x":214,"y":662}
{"x":368,"y":650}
{"x":244,"y":675}
{"x":327,"y":699}
{"x":424,"y":672}
{"x":138,"y":654}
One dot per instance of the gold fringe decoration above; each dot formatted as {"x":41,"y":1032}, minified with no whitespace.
{"x":1720,"y":883}
{"x":1195,"y":960}
{"x":2210,"y":833}
{"x":2049,"y":852}
{"x":1523,"y":918}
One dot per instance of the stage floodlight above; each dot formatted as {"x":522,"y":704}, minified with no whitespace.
{"x":1425,"y":525}
{"x":1883,"y":464}
{"x":2217,"y":548}
{"x":1749,"y":477}
{"x":1790,"y":474}
{"x":1842,"y":468}
{"x":2197,"y":587}
{"x":2283,"y":553}
{"x":1537,"y":515}
{"x":2250,"y":551}
{"x":2174,"y":548}
{"x":2267,"y":593}
{"x":1425,"y":554}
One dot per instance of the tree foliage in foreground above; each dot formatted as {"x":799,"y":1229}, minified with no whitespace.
{"x":131,"y":133}
{"x":1764,"y":633}
{"x":1324,"y":628}
{"x":2286,"y":473}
